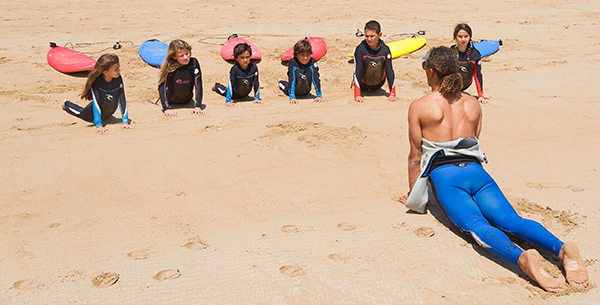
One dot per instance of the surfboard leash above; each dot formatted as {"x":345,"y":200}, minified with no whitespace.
{"x":116,"y":46}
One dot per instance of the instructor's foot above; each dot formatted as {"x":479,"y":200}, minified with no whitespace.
{"x":531,"y":262}
{"x":63,"y":104}
{"x":577,"y":274}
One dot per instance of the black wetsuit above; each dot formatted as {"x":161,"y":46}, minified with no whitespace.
{"x":179,"y":84}
{"x":106,"y":97}
{"x":470,"y":68}
{"x":241,"y":82}
{"x":301,"y":78}
{"x":372,"y":68}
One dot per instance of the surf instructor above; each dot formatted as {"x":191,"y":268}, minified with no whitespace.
{"x":444,"y":128}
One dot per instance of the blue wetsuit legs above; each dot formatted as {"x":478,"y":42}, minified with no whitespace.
{"x":473,"y":201}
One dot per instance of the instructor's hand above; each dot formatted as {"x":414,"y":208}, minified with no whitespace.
{"x":403,"y":199}
{"x":360,"y":99}
{"x":101,"y":129}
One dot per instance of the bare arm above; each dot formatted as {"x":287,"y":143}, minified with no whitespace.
{"x":415,"y":137}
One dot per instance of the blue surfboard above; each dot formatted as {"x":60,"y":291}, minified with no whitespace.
{"x":485,"y":47}
{"x":153,"y":52}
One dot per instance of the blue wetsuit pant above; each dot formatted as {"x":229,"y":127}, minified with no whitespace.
{"x":85,"y":113}
{"x":473,"y":202}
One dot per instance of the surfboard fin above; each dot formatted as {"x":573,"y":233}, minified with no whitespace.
{"x":359,"y":33}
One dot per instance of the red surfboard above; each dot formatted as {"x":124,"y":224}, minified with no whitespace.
{"x":319,"y":48}
{"x":234,"y":40}
{"x":68,"y":61}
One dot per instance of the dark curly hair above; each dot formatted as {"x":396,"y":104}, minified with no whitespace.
{"x":445,"y":64}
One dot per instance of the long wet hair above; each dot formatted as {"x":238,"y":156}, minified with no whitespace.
{"x":171,"y":64}
{"x":445,"y":64}
{"x":466,"y":28}
{"x":102,"y":64}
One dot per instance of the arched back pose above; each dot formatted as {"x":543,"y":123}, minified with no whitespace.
{"x":243,"y":77}
{"x":180,"y":74}
{"x":303,"y":73}
{"x":469,"y":59}
{"x":104,"y":87}
{"x":444,"y":127}
{"x":373,"y":64}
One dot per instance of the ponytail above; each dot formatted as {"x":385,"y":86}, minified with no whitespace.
{"x":444,"y":63}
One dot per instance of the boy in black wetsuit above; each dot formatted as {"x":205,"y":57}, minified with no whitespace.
{"x":243,"y":77}
{"x":303,"y":72}
{"x":373,"y":64}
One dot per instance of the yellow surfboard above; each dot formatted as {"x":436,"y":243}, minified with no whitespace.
{"x":404,"y":46}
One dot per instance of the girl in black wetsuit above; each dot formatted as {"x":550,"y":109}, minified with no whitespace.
{"x":104,"y":87}
{"x":469,"y":59}
{"x":179,"y":75}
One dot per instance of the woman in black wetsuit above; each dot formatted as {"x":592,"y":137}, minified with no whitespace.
{"x":469,"y":59}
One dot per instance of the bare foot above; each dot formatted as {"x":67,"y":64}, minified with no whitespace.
{"x":213,"y":88}
{"x":531,"y":262}
{"x":63,"y":104}
{"x":570,"y":258}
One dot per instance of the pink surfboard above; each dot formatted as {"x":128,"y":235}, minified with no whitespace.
{"x":319,"y":48}
{"x":227,"y":48}
{"x":68,"y":61}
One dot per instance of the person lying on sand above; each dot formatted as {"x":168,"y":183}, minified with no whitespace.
{"x":443,"y":128}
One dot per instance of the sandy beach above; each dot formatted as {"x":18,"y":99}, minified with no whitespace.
{"x":280,"y":203}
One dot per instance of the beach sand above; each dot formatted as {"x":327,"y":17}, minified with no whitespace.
{"x":279,"y":203}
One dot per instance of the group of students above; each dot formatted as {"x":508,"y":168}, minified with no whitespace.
{"x":180,"y":77}
{"x":444,"y":127}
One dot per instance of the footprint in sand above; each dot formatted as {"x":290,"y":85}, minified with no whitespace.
{"x":400,"y":225}
{"x":196,"y":244}
{"x":532,"y":185}
{"x":424,"y":232}
{"x":105,"y":279}
{"x":296,"y":229}
{"x":341,"y":257}
{"x":346,"y":226}
{"x":292,"y":271}
{"x":141,"y":254}
{"x":27,"y":284}
{"x":167,"y":275}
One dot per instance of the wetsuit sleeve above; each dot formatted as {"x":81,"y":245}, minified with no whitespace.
{"x":316,"y":79}
{"x":163,"y":94}
{"x":96,"y":105}
{"x":198,"y":85}
{"x":256,"y":85}
{"x":123,"y":105}
{"x":291,"y":79}
{"x":389,"y":72}
{"x":358,"y":71}
{"x":476,"y":57}
{"x":229,"y":93}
